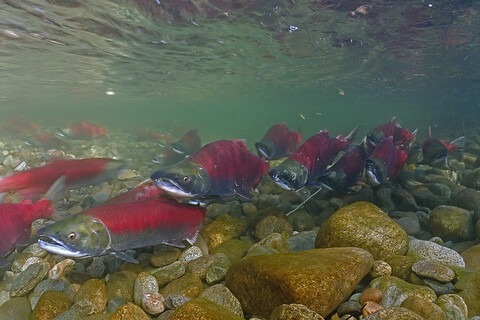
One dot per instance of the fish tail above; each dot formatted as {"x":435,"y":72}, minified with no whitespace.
{"x":352,"y":134}
{"x":55,"y":195}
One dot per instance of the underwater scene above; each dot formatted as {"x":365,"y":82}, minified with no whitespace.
{"x":239,"y":159}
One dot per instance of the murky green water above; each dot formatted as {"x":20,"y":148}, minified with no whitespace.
{"x":233,"y":68}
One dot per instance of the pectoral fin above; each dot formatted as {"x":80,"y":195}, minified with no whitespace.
{"x":124,"y":256}
{"x":244,"y":194}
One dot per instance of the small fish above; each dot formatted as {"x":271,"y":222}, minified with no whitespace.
{"x":310,"y":161}
{"x":345,"y":172}
{"x":114,"y":228}
{"x":46,"y":140}
{"x":384,"y":162}
{"x":188,"y":144}
{"x":18,"y":217}
{"x":141,"y":192}
{"x":220,"y":168}
{"x":278,"y":142}
{"x":402,"y":138}
{"x":436,"y":152}
{"x":78,"y":173}
{"x":82,"y":131}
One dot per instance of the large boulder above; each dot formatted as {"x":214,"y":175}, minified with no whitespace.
{"x":202,"y":309}
{"x":320,"y":279}
{"x":452,"y":223}
{"x":364,"y":225}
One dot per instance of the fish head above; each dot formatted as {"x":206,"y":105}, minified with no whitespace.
{"x":334,"y":180}
{"x":78,"y":236}
{"x":372,"y":139}
{"x":375,"y":171}
{"x":186,"y":179}
{"x":265,"y":149}
{"x":289,"y":175}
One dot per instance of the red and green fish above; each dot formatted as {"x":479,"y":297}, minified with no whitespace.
{"x":402,"y":138}
{"x":142,"y":192}
{"x":178,"y":150}
{"x":78,"y":173}
{"x":16,"y":218}
{"x":220,"y":168}
{"x":114,"y":228}
{"x":278,"y":142}
{"x":82,"y":131}
{"x":45,"y":140}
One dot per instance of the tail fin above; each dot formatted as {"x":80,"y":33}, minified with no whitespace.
{"x":460,"y":144}
{"x":352,"y":134}
{"x":55,"y":194}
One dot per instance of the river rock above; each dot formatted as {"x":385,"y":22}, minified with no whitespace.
{"x":202,"y":309}
{"x":153,"y":303}
{"x":468,"y":287}
{"x":363,"y":225}
{"x":165,"y":257}
{"x":129,"y":311}
{"x":190,"y":254}
{"x":428,"y":310}
{"x":120,"y":284}
{"x":95,"y":291}
{"x":301,"y":241}
{"x":394,"y":313}
{"x":395,"y":290}
{"x":467,"y":198}
{"x":59,"y":271}
{"x":380,"y":268}
{"x":370,"y":294}
{"x":51,"y":304}
{"x":431,"y":251}
{"x":223,"y":229}
{"x":45,"y":285}
{"x":200,"y":265}
{"x":294,"y":312}
{"x":272,"y":224}
{"x":275,"y":241}
{"x":234,"y":249}
{"x":168,"y":273}
{"x":434,"y":270}
{"x":453,"y":306}
{"x":218,"y":269}
{"x":222,"y":296}
{"x":174,"y":301}
{"x":471,"y":256}
{"x":17,"y":308}
{"x":452,"y":223}
{"x":144,"y":283}
{"x":188,"y":285}
{"x":28,"y":279}
{"x":320,"y":279}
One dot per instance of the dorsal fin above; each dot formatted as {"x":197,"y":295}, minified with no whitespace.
{"x":241,"y":142}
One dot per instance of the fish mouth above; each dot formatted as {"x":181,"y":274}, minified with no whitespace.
{"x":58,"y":247}
{"x":282,"y":182}
{"x":172,"y":187}
{"x":370,"y":173}
{"x":263,"y":150}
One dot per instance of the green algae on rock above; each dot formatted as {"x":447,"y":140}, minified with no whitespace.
{"x":120,"y":284}
{"x":51,"y":304}
{"x":428,"y":310}
{"x":222,"y":296}
{"x":17,"y":308}
{"x":454,"y":306}
{"x":129,"y":311}
{"x":320,"y":279}
{"x":452,"y":223}
{"x":202,"y":309}
{"x":234,"y":249}
{"x":294,"y":312}
{"x":364,"y":225}
{"x":222,"y":229}
{"x":394,"y":313}
{"x":468,"y":287}
{"x":395,"y":290}
{"x":471,"y":256}
{"x":95,"y":291}
{"x":188,"y":285}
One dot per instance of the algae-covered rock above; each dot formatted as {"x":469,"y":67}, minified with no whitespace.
{"x":467,"y":199}
{"x":272,"y":224}
{"x":363,"y":225}
{"x":432,"y":251}
{"x":189,"y":285}
{"x":51,"y":304}
{"x":218,"y":269}
{"x":144,"y":283}
{"x":394,"y":313}
{"x":428,"y":310}
{"x":222,"y":229}
{"x":95,"y":291}
{"x":454,"y":306}
{"x":28,"y":279}
{"x":395,"y":290}
{"x":471,"y":256}
{"x":274,"y":241}
{"x":17,"y":308}
{"x":294,"y":312}
{"x":434,"y":270}
{"x":234,"y":249}
{"x":468,"y":287}
{"x":222,"y":296}
{"x":129,"y":311}
{"x":165,"y":257}
{"x":202,"y":309}
{"x":168,"y":273}
{"x":452,"y":223}
{"x":319,"y":279}
{"x":120,"y":284}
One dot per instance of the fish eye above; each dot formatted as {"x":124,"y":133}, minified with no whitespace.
{"x":186,"y":178}
{"x":72,"y":236}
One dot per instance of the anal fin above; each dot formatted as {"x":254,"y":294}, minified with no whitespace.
{"x":124,"y":256}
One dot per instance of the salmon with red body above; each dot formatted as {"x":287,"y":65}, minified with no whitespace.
{"x":310,"y":161}
{"x":114,"y":228}
{"x":188,"y":144}
{"x":45,"y":140}
{"x":278,"y":142}
{"x":384,"y":162}
{"x":83,"y":131}
{"x":402,"y":138}
{"x":142,"y":192}
{"x":78,"y":173}
{"x":220,"y":168}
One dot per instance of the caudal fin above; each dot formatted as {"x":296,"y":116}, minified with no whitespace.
{"x":459,"y":143}
{"x":56,"y":194}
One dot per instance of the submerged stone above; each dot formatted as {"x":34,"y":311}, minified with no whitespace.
{"x":222,"y":229}
{"x":202,"y":309}
{"x":395,"y":290}
{"x":129,"y":311}
{"x":294,"y":312}
{"x":17,"y":308}
{"x":363,"y":225}
{"x":222,"y":296}
{"x":471,"y":256}
{"x":432,"y":251}
{"x":319,"y":279}
{"x":51,"y":304}
{"x":453,"y":306}
{"x":120,"y":284}
{"x":428,"y":310}
{"x":434,"y":270}
{"x":188,"y":285}
{"x":452,"y":223}
{"x":468,"y":287}
{"x":394,"y":313}
{"x":28,"y":279}
{"x":234,"y":249}
{"x":94,"y":291}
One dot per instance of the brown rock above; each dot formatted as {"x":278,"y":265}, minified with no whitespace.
{"x":428,"y":310}
{"x":370,"y":307}
{"x":471,"y":257}
{"x":434,"y":270}
{"x":294,"y":312}
{"x":51,"y":304}
{"x":95,"y":291}
{"x":189,"y":285}
{"x":394,"y":313}
{"x":452,"y":223}
{"x":202,"y":309}
{"x":320,"y":279}
{"x":120,"y":284}
{"x":468,"y":287}
{"x":234,"y":249}
{"x":223,"y":229}
{"x":363,"y":225}
{"x":370,"y":294}
{"x":272,"y":224}
{"x":129,"y":311}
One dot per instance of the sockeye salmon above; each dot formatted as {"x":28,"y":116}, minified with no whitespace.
{"x":82,"y":131}
{"x":278,"y":142}
{"x":142,"y":192}
{"x":78,"y":173}
{"x":402,"y":138}
{"x":220,"y":168}
{"x":118,"y":227}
